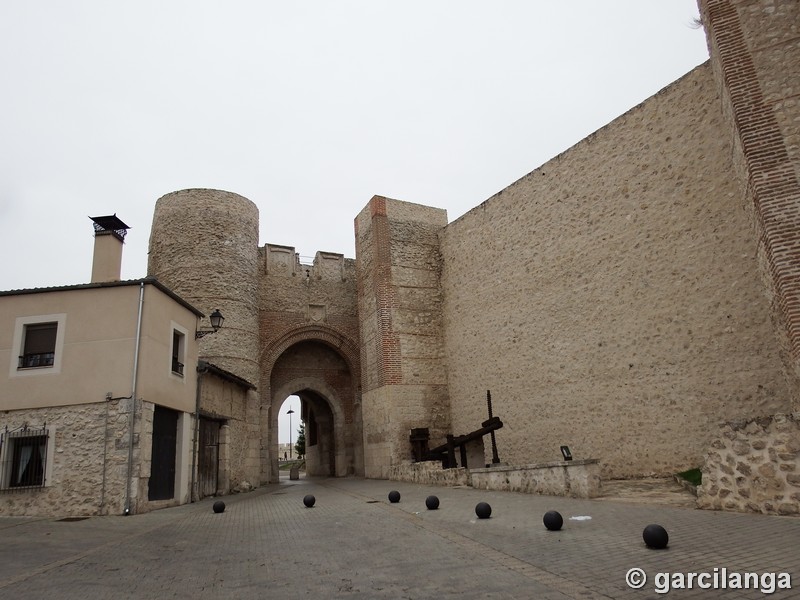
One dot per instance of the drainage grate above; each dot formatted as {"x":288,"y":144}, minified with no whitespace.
{"x":71,"y":519}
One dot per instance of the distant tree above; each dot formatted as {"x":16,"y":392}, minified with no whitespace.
{"x":300,"y":444}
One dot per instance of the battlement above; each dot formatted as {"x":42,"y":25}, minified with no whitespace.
{"x":283,"y":260}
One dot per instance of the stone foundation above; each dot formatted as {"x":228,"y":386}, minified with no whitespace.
{"x":429,"y":473}
{"x":87,"y":460}
{"x":753,"y":467}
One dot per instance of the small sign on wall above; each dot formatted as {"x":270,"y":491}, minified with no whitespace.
{"x":566,"y":453}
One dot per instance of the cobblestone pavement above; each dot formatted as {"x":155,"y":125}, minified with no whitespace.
{"x":354,"y":544}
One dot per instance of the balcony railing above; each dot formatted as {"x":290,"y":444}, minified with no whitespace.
{"x":41,"y":359}
{"x":177,"y":366}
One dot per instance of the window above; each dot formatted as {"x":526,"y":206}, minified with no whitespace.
{"x":23,"y":458}
{"x":178,"y":349}
{"x":39,"y":345}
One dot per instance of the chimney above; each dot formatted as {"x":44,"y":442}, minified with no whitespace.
{"x":109,"y":235}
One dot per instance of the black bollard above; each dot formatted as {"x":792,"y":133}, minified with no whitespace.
{"x":309,"y":500}
{"x":483,"y":510}
{"x":219,"y":506}
{"x":394,"y":496}
{"x":432,"y":502}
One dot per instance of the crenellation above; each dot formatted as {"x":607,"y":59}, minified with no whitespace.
{"x":284,"y":261}
{"x":280,"y":260}
{"x":329,"y":265}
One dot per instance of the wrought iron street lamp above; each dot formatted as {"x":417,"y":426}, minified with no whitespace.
{"x":216,"y":320}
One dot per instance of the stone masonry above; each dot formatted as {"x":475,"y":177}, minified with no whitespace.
{"x":90,"y":452}
{"x":752,"y":466}
{"x":755,"y":50}
{"x":611,"y":299}
{"x":235,"y":404}
{"x":400,"y":308}
{"x":309,"y":344}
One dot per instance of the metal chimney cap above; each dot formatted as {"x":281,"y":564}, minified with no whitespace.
{"x":110,"y":224}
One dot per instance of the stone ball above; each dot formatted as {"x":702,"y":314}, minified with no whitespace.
{"x":394,"y":496}
{"x":483,"y":510}
{"x":219,"y":506}
{"x":655,"y":536}
{"x":432,"y":502}
{"x":309,"y":500}
{"x":553,"y":520}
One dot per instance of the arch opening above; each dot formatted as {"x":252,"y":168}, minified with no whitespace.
{"x":329,"y":407}
{"x":320,"y":434}
{"x":289,"y":425}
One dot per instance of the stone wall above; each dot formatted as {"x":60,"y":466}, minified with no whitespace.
{"x":404,"y":378}
{"x":204,"y":247}
{"x":753,"y":466}
{"x":89,"y":453}
{"x":574,"y":478}
{"x":309,"y":340}
{"x":293,"y":294}
{"x":428,"y":473}
{"x":238,"y":407}
{"x":611,"y":299}
{"x":78,"y":481}
{"x":577,"y":479}
{"x":755,"y":52}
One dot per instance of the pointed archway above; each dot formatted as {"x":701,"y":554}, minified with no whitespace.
{"x":320,"y":366}
{"x":330,"y":450}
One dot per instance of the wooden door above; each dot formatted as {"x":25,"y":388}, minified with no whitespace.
{"x":208,"y":464}
{"x":162,"y":466}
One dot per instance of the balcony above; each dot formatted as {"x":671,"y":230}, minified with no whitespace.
{"x":177,"y":366}
{"x":41,"y":359}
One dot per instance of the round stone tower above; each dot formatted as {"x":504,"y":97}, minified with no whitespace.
{"x":204,"y":246}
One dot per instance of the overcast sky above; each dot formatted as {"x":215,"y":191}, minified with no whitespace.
{"x":306,"y":108}
{"x":284,"y":421}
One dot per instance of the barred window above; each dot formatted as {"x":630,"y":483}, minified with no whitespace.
{"x":23,"y":458}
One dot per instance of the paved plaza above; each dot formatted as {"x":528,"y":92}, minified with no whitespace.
{"x":355,"y":544}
